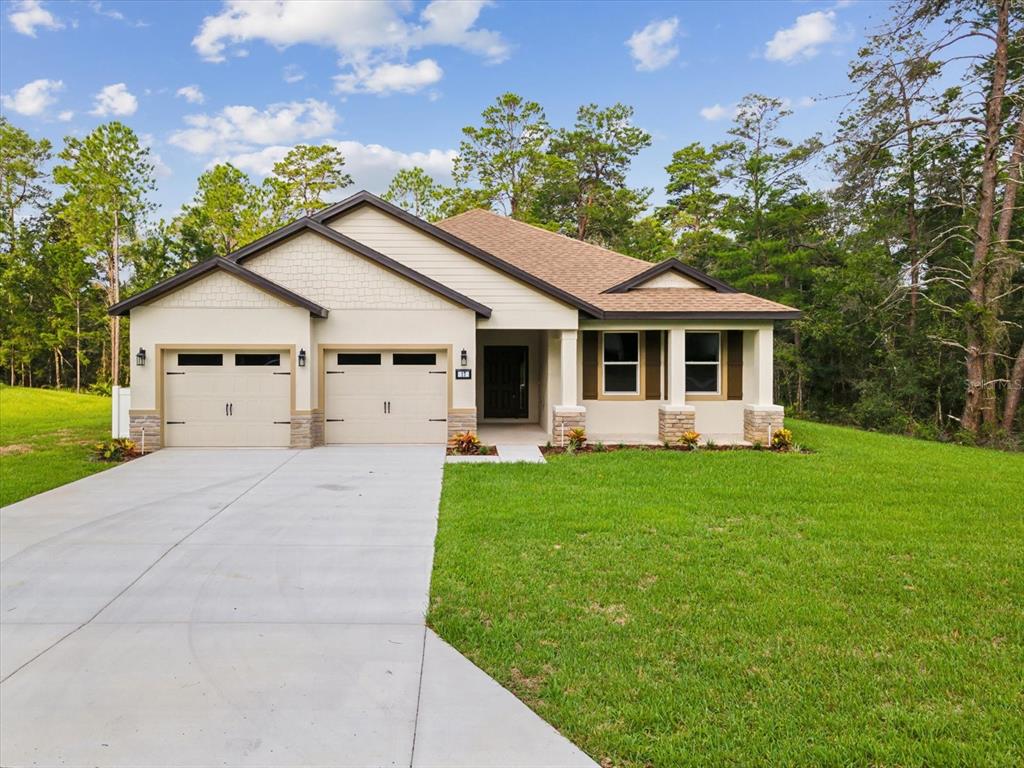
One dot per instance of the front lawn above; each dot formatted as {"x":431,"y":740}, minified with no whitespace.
{"x":861,"y":605}
{"x":45,"y":439}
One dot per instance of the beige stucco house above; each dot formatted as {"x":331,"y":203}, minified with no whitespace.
{"x":363,"y":323}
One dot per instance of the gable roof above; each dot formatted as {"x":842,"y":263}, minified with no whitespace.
{"x":671,"y":265}
{"x":211,"y":265}
{"x":612,"y":282}
{"x":310,"y":224}
{"x":439,"y":232}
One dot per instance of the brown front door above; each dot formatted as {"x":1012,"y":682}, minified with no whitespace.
{"x":506,"y":394}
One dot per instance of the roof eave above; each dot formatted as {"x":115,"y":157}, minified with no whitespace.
{"x":671,"y":265}
{"x":790,"y":314}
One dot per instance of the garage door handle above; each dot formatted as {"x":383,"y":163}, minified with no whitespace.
{"x":437,"y":419}
{"x":330,"y":372}
{"x":437,"y":371}
{"x":175,"y":373}
{"x":282,"y":373}
{"x":282,"y":422}
{"x":175,"y":422}
{"x":334,"y":419}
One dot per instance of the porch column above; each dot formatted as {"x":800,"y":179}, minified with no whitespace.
{"x":761,"y":417}
{"x":567,"y":414}
{"x":676,"y":417}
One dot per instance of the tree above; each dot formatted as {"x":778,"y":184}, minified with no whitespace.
{"x":584,"y":192}
{"x":226,"y":213}
{"x":503,"y":156}
{"x":21,"y":174}
{"x":695,"y":201}
{"x":297,"y":184}
{"x":107,"y":176}
{"x":414,"y":190}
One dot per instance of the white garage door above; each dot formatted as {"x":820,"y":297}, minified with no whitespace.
{"x":227,"y":398}
{"x":385,"y":396}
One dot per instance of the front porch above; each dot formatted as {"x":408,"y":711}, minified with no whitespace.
{"x":626,"y":384}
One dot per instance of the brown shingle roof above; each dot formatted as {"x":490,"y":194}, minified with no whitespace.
{"x":587,"y":271}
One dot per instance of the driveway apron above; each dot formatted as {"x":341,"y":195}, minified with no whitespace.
{"x":243,"y":608}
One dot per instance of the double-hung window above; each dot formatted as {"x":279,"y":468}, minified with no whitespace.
{"x":703,"y":363}
{"x":621,"y":363}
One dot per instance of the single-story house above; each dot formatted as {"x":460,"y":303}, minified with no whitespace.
{"x":365,"y":324}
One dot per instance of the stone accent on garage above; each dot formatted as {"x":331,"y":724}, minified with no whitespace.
{"x":760,"y":422}
{"x":307,"y":428}
{"x":144,"y":430}
{"x":566,"y":418}
{"x":674,"y":420}
{"x":461,"y":420}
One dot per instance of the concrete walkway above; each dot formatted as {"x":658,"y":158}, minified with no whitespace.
{"x":243,"y":608}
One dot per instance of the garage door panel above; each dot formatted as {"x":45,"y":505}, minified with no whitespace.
{"x":225,"y":405}
{"x":384,"y":402}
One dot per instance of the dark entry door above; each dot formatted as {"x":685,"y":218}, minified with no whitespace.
{"x":506,"y":394}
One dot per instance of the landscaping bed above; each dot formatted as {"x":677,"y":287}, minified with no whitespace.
{"x":860,"y":605}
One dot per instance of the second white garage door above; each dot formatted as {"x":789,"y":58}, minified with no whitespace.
{"x":227,"y":398}
{"x":386,"y":396}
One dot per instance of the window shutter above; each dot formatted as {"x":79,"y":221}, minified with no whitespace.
{"x":590,"y":341}
{"x":652,"y":365}
{"x":734,"y":357}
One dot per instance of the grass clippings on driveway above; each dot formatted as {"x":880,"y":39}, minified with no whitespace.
{"x":46,"y":439}
{"x":860,"y":605}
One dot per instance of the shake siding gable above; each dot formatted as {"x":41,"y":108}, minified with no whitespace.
{"x":218,"y":290}
{"x":515,"y":304}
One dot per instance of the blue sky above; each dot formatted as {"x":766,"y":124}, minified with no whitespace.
{"x":395,"y":83}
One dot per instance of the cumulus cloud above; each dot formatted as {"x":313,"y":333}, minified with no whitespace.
{"x":653,"y":46}
{"x":115,"y":100}
{"x":242,"y":128}
{"x":717,"y":112}
{"x":386,"y":78}
{"x":33,"y":98}
{"x":29,"y":15}
{"x":371,"y":165}
{"x":191,"y":93}
{"x":368,"y":36}
{"x":804,"y":39}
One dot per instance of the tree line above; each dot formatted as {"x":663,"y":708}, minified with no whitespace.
{"x":907,"y":263}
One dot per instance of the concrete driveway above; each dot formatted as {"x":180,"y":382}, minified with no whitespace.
{"x":243,"y":608}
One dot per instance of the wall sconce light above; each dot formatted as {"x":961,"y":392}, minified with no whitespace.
{"x":140,"y":358}
{"x":464,"y":359}
{"x":302,"y":358}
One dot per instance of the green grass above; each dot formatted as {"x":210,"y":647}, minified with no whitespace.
{"x":45,"y":439}
{"x":861,"y":605}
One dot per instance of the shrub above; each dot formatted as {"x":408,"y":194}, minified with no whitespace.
{"x":599,"y":447}
{"x":466,"y":443}
{"x":484,"y":450}
{"x":577,"y":438}
{"x":100,"y":388}
{"x":782,"y":440}
{"x":689,"y":439}
{"x":116,"y":449}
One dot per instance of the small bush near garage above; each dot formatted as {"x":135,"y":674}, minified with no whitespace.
{"x":116,"y":449}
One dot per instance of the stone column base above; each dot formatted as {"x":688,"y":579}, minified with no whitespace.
{"x":566,"y":418}
{"x":760,"y":422}
{"x":307,"y":429}
{"x":461,"y":420}
{"x":144,"y":430}
{"x":674,"y":420}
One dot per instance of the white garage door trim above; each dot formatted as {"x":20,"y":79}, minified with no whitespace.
{"x":387,"y":403}
{"x":273,"y":402}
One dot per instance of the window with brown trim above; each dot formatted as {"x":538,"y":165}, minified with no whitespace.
{"x":621,"y":363}
{"x":703,"y":363}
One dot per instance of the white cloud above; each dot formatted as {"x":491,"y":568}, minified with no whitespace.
{"x":652,"y":47}
{"x":191,"y":93}
{"x":66,"y":115}
{"x":370,"y":165}
{"x":239,"y":129}
{"x":99,"y":10}
{"x":803,"y":39}
{"x":28,"y":15}
{"x":370,"y":37}
{"x":717,"y":112}
{"x":293,"y":74}
{"x":115,"y":100}
{"x":404,"y":78}
{"x":806,"y":101}
{"x":33,"y":98}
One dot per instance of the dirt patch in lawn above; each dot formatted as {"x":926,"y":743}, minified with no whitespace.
{"x":15,"y":449}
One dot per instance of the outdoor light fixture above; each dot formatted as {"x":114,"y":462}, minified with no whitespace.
{"x":302,"y":358}
{"x":140,"y":359}
{"x":464,"y":359}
